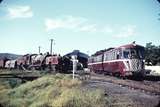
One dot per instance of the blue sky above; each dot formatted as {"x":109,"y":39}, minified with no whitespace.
{"x":86,"y":25}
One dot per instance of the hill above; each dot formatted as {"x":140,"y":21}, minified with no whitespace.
{"x":9,"y":56}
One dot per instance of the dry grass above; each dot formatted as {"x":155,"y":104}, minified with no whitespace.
{"x":51,"y":91}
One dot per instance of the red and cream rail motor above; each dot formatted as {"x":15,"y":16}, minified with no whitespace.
{"x":124,"y":60}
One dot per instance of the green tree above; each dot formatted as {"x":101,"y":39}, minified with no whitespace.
{"x":152,"y":54}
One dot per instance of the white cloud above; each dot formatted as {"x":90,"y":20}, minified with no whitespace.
{"x":83,"y":25}
{"x":67,"y":22}
{"x":88,"y":28}
{"x":20,"y":12}
{"x":53,"y":24}
{"x":126,"y":31}
{"x":107,"y":29}
{"x":75,"y":24}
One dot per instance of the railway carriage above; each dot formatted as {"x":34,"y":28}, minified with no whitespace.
{"x":122,"y":61}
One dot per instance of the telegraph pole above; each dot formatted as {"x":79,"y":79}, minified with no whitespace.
{"x":51,"y":46}
{"x":39,"y":49}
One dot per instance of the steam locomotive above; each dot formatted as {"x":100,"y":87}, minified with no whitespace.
{"x":38,"y":62}
{"x":45,"y":62}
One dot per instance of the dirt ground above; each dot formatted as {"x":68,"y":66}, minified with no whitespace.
{"x":121,"y":96}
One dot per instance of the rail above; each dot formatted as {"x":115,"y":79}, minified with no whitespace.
{"x":22,"y":76}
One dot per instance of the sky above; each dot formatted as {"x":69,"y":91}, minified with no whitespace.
{"x":85,"y":25}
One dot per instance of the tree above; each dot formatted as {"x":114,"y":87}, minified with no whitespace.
{"x":152,"y":54}
{"x":1,"y":1}
{"x":159,"y":13}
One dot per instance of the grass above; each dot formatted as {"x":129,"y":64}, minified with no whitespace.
{"x":51,"y":91}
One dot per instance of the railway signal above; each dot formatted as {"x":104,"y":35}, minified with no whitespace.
{"x":75,"y":61}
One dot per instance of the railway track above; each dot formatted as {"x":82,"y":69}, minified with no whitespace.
{"x":151,"y":87}
{"x":25,"y":76}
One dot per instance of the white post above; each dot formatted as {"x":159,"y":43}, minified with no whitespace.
{"x":74,"y":60}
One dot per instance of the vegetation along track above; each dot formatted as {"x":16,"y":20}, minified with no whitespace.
{"x":152,"y":87}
